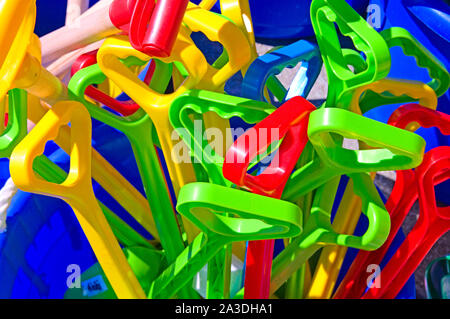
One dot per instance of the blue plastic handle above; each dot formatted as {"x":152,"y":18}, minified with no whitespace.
{"x":271,"y":64}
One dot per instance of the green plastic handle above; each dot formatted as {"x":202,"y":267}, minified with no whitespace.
{"x":412,"y":47}
{"x":342,"y":81}
{"x":396,"y":149}
{"x":192,"y":105}
{"x":251,"y":217}
{"x":440,"y":78}
{"x":318,"y":231}
{"x":197,"y":103}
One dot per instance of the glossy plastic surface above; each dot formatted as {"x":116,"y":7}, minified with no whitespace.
{"x":76,"y":189}
{"x":289,"y":123}
{"x":271,"y":64}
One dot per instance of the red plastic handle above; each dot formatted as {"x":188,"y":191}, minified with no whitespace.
{"x":154,"y":29}
{"x":120,"y":13}
{"x":427,"y":118}
{"x":125,"y":108}
{"x":288,"y":121}
{"x":433,"y":222}
{"x":403,"y":196}
{"x":291,"y":122}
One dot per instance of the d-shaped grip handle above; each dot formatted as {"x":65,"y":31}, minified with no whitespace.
{"x":409,"y":113}
{"x":259,"y":217}
{"x":400,"y":149}
{"x":289,"y":121}
{"x":79,"y":178}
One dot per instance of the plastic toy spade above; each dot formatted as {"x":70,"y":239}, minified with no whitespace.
{"x":239,"y":12}
{"x":200,"y":74}
{"x":332,"y":257}
{"x":155,"y":104}
{"x":16,"y":131}
{"x":198,"y":102}
{"x":223,"y":221}
{"x":235,"y":57}
{"x":76,"y":190}
{"x":433,"y":223}
{"x":128,"y":107}
{"x":440,"y":78}
{"x":414,"y":90}
{"x":233,"y":40}
{"x":288,"y":123}
{"x":319,"y":232}
{"x":136,"y":128}
{"x":104,"y":173}
{"x":403,"y":196}
{"x":189,"y":109}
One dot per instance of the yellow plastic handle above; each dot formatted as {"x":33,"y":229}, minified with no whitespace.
{"x":332,"y":257}
{"x":17,"y":19}
{"x":419,"y":91}
{"x":219,"y":29}
{"x":239,"y":12}
{"x":104,"y":173}
{"x":76,"y":190}
{"x":233,"y":40}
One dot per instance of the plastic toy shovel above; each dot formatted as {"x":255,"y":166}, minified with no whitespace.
{"x":332,"y":257}
{"x":223,"y":221}
{"x":399,"y":203}
{"x":186,"y":112}
{"x":16,"y":130}
{"x":76,"y":190}
{"x":136,"y":128}
{"x":325,"y":14}
{"x":290,"y":123}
